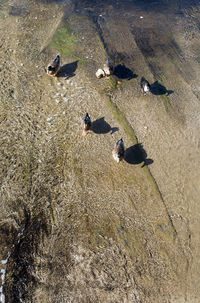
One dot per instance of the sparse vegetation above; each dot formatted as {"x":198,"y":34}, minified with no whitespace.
{"x":166,"y":102}
{"x":65,"y":41}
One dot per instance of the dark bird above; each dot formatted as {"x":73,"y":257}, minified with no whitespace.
{"x":86,"y":124}
{"x":54,"y":66}
{"x":118,"y":151}
{"x":145,"y":85}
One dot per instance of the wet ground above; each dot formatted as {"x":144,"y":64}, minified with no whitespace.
{"x":75,"y":226}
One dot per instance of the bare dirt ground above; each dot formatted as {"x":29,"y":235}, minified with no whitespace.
{"x":75,"y":226}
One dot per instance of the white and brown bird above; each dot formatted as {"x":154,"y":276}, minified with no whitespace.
{"x":118,"y":151}
{"x":54,"y":66}
{"x":86,"y":124}
{"x":108,"y":69}
{"x":145,"y":85}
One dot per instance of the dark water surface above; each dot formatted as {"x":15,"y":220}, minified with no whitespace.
{"x":172,"y":8}
{"x":152,"y":23}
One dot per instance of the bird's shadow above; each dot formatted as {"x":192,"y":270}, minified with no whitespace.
{"x":158,"y":89}
{"x":136,"y":154}
{"x":123,"y":72}
{"x":100,"y":126}
{"x":68,"y":70}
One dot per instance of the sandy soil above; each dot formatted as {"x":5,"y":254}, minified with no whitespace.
{"x":75,"y":225}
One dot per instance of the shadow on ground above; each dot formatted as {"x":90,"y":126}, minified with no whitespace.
{"x":68,"y":70}
{"x":159,"y":89}
{"x":100,"y":126}
{"x":136,"y":154}
{"x":123,"y":72}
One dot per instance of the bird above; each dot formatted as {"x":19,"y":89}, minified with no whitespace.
{"x":118,"y":151}
{"x":145,"y":85}
{"x":86,"y":124}
{"x":100,"y":73}
{"x":108,"y":69}
{"x":54,"y":66}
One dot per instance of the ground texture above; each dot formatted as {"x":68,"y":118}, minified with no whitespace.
{"x":75,"y":226}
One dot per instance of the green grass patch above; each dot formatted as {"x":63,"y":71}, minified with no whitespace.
{"x":65,"y":41}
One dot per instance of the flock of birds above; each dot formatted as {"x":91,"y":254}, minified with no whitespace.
{"x":53,"y":69}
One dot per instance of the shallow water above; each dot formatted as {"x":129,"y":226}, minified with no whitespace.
{"x":76,"y":227}
{"x":153,"y":23}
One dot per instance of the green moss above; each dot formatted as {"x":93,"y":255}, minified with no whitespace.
{"x":120,"y":117}
{"x":113,"y":82}
{"x":65,"y":41}
{"x":166,"y":102}
{"x":151,"y":180}
{"x":165,"y":98}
